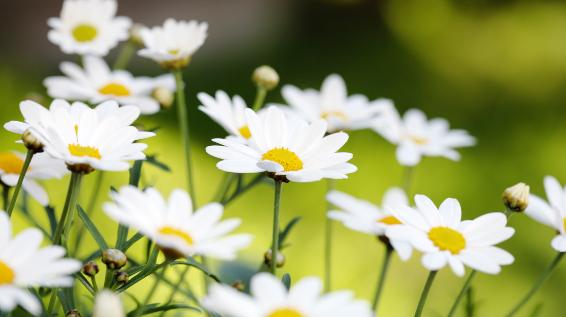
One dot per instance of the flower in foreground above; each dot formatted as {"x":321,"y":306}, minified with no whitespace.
{"x":108,"y":304}
{"x":228,"y":113}
{"x":270,"y":298}
{"x":23,"y":264}
{"x":173,"y":44}
{"x":332,"y":103}
{"x":551,"y":213}
{"x":88,"y":27}
{"x":285,"y":147}
{"x":363,"y":216}
{"x":42,"y":167}
{"x":447,"y":240}
{"x":173,"y":225}
{"x":416,"y":136}
{"x":97,"y":83}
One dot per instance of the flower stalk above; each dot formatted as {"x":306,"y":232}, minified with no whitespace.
{"x":382,"y":276}
{"x":275,"y":236}
{"x":69,"y":207}
{"x":328,"y":243}
{"x":425,"y":292}
{"x":463,"y":291}
{"x":17,"y":189}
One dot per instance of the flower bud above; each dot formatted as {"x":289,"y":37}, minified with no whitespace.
{"x":265,"y":77}
{"x":114,"y":259}
{"x":164,"y":96}
{"x":280,"y":258}
{"x":122,"y":277}
{"x":90,"y":268}
{"x":239,"y":285}
{"x":73,"y":313}
{"x":516,"y":197}
{"x":135,"y":34}
{"x":108,"y":304}
{"x":31,"y":142}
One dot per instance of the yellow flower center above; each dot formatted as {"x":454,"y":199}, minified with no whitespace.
{"x":389,"y":220}
{"x":174,"y":51}
{"x":447,"y":239}
{"x":115,"y":89}
{"x":245,"y":132}
{"x":288,"y":159}
{"x":84,"y":33}
{"x":334,"y":114}
{"x":170,"y":231}
{"x":564,"y":223}
{"x":285,"y":312}
{"x":10,"y":163}
{"x":418,"y":140}
{"x":81,"y":151}
{"x":7,"y":275}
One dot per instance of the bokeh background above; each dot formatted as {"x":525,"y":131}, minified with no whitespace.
{"x":495,"y":68}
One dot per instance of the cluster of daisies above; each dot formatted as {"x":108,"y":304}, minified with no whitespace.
{"x":90,"y":126}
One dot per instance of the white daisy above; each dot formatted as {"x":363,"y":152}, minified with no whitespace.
{"x":551,"y":213}
{"x":270,"y":298}
{"x":230,"y":114}
{"x":286,"y":147}
{"x":332,"y":103}
{"x":42,"y":167}
{"x":445,"y":239}
{"x":363,"y":216}
{"x":97,"y":83}
{"x":415,"y":136}
{"x":108,"y":304}
{"x":23,"y":264}
{"x":173,"y":44}
{"x":88,"y":27}
{"x":173,"y":225}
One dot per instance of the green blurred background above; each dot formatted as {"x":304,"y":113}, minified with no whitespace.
{"x":494,"y":68}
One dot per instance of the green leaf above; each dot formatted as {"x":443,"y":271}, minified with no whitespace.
{"x":285,"y":232}
{"x":50,"y":211}
{"x":81,"y":278}
{"x":199,"y":266}
{"x":537,"y":310}
{"x":147,"y":270}
{"x":135,"y":173}
{"x":286,"y":279}
{"x":92,"y":229}
{"x":152,"y":160}
{"x":132,"y":241}
{"x":154,"y":308}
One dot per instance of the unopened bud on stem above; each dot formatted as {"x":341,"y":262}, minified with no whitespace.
{"x":516,"y":198}
{"x":114,"y":259}
{"x":280,"y":258}
{"x":265,"y":77}
{"x":164,"y":96}
{"x":73,"y":313}
{"x":90,"y":268}
{"x":31,"y":142}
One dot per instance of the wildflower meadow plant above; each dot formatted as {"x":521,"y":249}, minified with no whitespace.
{"x":92,"y":126}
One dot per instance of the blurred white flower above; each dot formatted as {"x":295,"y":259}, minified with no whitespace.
{"x":88,"y":27}
{"x":97,"y":83}
{"x":415,"y":136}
{"x":173,"y":225}
{"x":551,"y":213}
{"x":332,"y":103}
{"x":447,"y":240}
{"x":108,"y":304}
{"x":287,"y":147}
{"x":270,"y":298}
{"x":228,"y":113}
{"x":42,"y":167}
{"x":23,"y":265}
{"x":363,"y":216}
{"x":173,"y":44}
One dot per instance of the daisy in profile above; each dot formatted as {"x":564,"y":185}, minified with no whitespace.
{"x":270,"y":298}
{"x":173,"y":44}
{"x":24,"y":264}
{"x":416,"y":136}
{"x":447,"y":240}
{"x":363,"y":216}
{"x":97,"y":83}
{"x":174,"y":226}
{"x":42,"y":167}
{"x":228,"y":113}
{"x":332,"y":103}
{"x":286,"y":148}
{"x":88,"y":27}
{"x":551,"y":213}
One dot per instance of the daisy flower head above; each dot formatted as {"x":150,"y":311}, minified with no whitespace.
{"x":332,"y":103}
{"x":24,"y":264}
{"x":88,"y":27}
{"x":416,"y":136}
{"x":174,"y":226}
{"x":445,"y":239}
{"x":551,"y":212}
{"x":97,"y":83}
{"x":42,"y":167}
{"x":289,"y":149}
{"x":173,"y":44}
{"x":363,"y":216}
{"x":270,"y":298}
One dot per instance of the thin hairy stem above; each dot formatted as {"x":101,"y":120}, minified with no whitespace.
{"x":425,"y":292}
{"x":25,"y":167}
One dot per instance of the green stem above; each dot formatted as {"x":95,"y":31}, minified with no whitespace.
{"x":328,"y":242}
{"x":90,"y":210}
{"x":275,"y":236}
{"x":259,"y":98}
{"x":184,"y":123}
{"x":126,"y":53}
{"x":462,"y":292}
{"x":70,"y":205}
{"x":408,"y":179}
{"x":538,"y":284}
{"x":382,"y":275}
{"x":177,"y":287}
{"x":6,"y":195}
{"x":27,"y":161}
{"x":224,"y":187}
{"x":150,"y":294}
{"x":243,"y":189}
{"x":425,"y":292}
{"x":94,"y":285}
